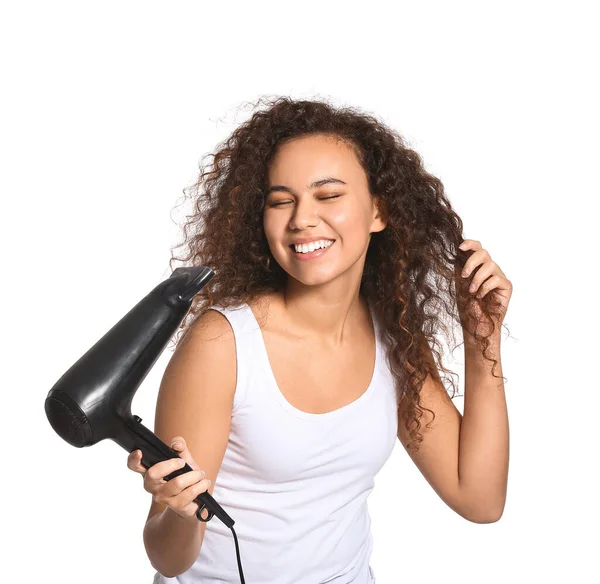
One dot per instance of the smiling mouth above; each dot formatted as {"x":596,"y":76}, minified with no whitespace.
{"x":293,"y":247}
{"x":310,"y":254}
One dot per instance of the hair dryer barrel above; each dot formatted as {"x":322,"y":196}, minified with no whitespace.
{"x":92,"y":399}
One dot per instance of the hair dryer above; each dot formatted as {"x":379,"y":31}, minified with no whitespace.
{"x":92,"y":400}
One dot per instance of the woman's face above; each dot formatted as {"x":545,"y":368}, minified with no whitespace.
{"x":297,"y":208}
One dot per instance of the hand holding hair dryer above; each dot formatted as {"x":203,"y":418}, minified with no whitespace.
{"x":92,"y":399}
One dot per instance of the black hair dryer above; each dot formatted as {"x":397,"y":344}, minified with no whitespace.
{"x":92,"y":400}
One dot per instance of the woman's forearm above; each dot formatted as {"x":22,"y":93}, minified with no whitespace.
{"x":484,"y":436}
{"x":172,"y":542}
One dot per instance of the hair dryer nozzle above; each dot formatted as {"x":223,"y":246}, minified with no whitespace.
{"x":196,"y":278}
{"x":67,"y":419}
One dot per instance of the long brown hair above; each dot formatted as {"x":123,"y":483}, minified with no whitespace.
{"x":410,"y":273}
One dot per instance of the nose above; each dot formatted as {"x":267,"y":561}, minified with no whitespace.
{"x":305,"y":215}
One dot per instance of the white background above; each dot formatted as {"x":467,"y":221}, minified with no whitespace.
{"x":108,"y":107}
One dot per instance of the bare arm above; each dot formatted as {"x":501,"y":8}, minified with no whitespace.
{"x":465,"y":458}
{"x":195,"y":402}
{"x":172,"y":542}
{"x":484,"y":436}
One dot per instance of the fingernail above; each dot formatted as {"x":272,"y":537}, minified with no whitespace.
{"x":176,"y":445}
{"x":180,"y":462}
{"x":465,"y":274}
{"x":471,"y":287}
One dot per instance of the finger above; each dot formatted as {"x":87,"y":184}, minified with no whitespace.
{"x":158,"y":471}
{"x":498,"y":283}
{"x":186,"y":501}
{"x":470,"y":244}
{"x":180,"y":446}
{"x":486,"y":270}
{"x":134,"y":462}
{"x":476,"y":258}
{"x":198,"y":489}
{"x":487,"y":286}
{"x":178,"y":443}
{"x":182,"y":482}
{"x":183,"y":495}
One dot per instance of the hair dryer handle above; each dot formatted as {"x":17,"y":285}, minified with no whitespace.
{"x":154,"y":450}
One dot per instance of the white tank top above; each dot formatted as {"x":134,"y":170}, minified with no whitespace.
{"x":295,"y":483}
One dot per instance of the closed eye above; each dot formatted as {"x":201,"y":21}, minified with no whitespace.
{"x":279,"y":203}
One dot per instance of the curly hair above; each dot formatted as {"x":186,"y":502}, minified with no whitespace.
{"x":411,"y":277}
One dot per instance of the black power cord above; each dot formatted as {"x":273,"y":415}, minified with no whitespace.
{"x":235,"y":539}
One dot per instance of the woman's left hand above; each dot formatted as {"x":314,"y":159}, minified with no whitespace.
{"x":489,"y":277}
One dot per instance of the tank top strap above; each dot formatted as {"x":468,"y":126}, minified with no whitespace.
{"x":247,"y":337}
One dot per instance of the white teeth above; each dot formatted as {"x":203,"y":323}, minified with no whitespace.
{"x":308,"y":247}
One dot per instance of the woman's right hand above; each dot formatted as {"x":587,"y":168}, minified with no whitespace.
{"x":178,"y":493}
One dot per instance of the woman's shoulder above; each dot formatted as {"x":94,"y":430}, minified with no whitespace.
{"x":215,"y":321}
{"x":211,"y":324}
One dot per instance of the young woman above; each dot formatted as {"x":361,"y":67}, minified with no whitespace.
{"x":337,"y":259}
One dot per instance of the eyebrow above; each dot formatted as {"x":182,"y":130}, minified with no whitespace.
{"x":314,"y":185}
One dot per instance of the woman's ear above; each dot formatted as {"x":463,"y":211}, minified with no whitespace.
{"x":380,"y":215}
